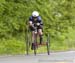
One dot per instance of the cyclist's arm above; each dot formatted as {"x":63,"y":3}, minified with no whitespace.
{"x":40,"y":21}
{"x":30,"y":21}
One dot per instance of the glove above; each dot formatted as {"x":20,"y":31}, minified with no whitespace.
{"x":38,"y":24}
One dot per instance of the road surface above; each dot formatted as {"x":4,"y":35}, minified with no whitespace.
{"x":58,"y":57}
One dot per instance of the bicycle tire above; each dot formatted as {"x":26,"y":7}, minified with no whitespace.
{"x":27,"y":45}
{"x":34,"y":49}
{"x":35,"y":44}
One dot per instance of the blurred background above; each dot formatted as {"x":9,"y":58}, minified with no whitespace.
{"x":58,"y":17}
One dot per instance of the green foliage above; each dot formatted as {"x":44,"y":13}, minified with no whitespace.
{"x":12,"y":46}
{"x":58,"y":17}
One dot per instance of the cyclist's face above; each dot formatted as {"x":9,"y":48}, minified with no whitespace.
{"x":35,"y":18}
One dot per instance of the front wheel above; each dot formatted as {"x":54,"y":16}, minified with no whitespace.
{"x":35,"y":48}
{"x":35,"y":44}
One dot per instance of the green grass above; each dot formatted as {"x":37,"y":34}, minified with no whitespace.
{"x":14,"y":47}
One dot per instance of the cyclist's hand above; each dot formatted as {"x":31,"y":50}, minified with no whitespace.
{"x":38,"y":24}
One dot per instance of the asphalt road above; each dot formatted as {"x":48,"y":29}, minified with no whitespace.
{"x":58,"y":57}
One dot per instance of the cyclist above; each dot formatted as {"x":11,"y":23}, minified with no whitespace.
{"x":35,"y":20}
